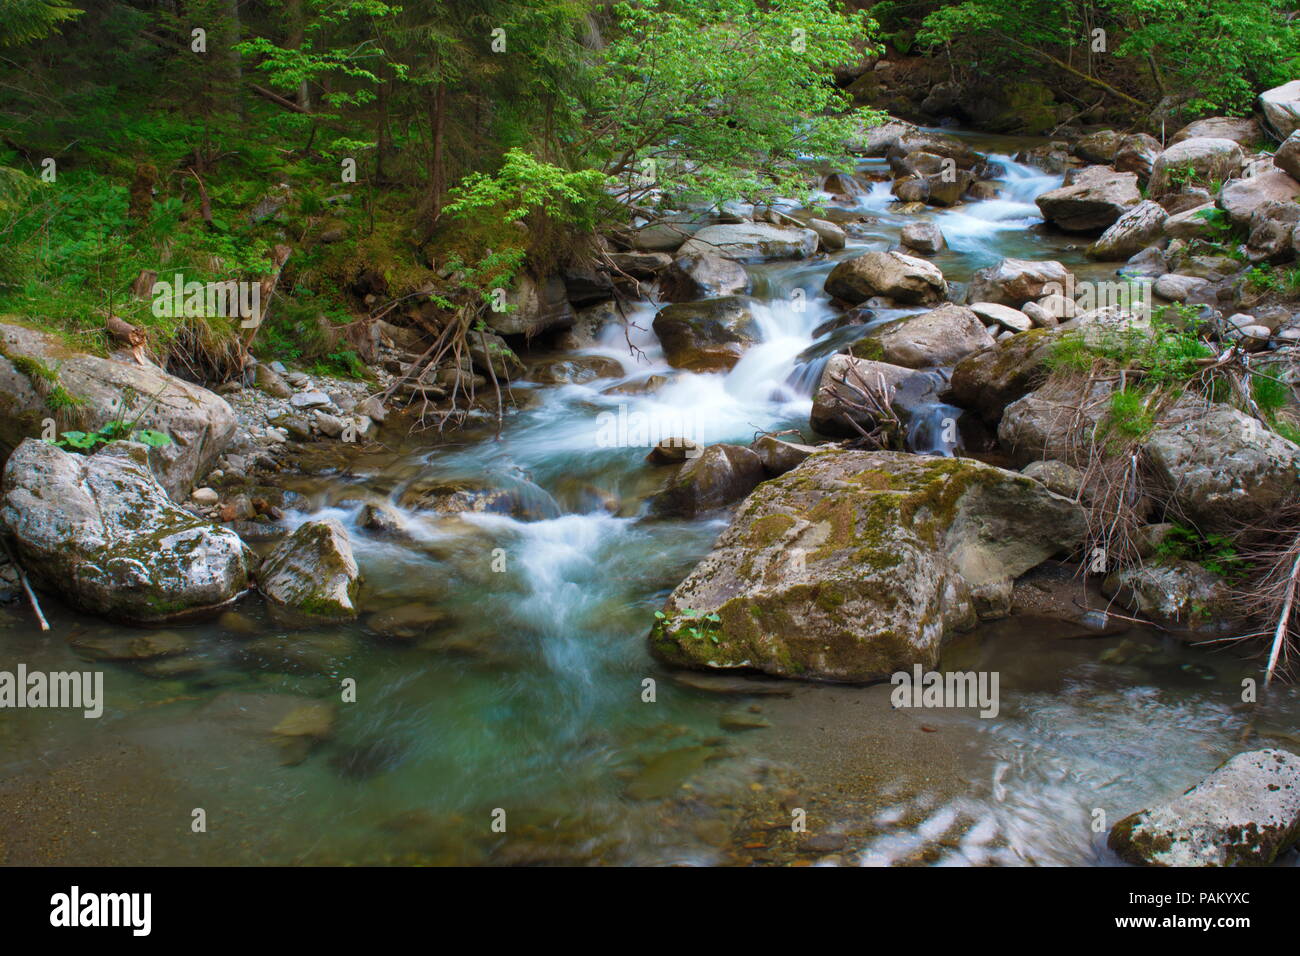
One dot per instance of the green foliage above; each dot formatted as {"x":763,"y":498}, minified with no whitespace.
{"x":1130,"y":413}
{"x":1164,"y":352}
{"x":22,"y":21}
{"x":111,"y":432}
{"x":707,"y":626}
{"x":718,"y":99}
{"x":1220,"y":55}
{"x":1214,"y":552}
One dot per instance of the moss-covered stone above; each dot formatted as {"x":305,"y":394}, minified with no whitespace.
{"x":857,"y":564}
{"x":313,"y":572}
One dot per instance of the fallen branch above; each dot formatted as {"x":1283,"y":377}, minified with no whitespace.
{"x":1283,"y":620}
{"x":27,"y":587}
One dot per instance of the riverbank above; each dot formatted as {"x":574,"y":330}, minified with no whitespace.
{"x":522,"y":688}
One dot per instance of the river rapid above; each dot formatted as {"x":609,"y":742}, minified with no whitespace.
{"x":526,"y":706}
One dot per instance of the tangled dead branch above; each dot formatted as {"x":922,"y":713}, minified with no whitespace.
{"x":857,"y":398}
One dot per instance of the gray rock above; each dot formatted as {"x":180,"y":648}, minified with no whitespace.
{"x":702,"y":276}
{"x":304,"y":400}
{"x":1131,"y":233}
{"x":1287,"y":157}
{"x":537,"y":305}
{"x":942,"y":336}
{"x":722,"y":474}
{"x":1245,"y":813}
{"x":923,"y":237}
{"x":1239,"y":198}
{"x":313,"y":572}
{"x":1014,"y":282}
{"x":779,"y":456}
{"x":1243,"y":131}
{"x":1056,"y":476}
{"x":1206,"y":159}
{"x":199,"y":423}
{"x":1281,"y":107}
{"x":832,"y":237}
{"x":1222,"y":467}
{"x":1092,"y":201}
{"x":897,"y":276}
{"x":1002,"y":316}
{"x":1177,"y":594}
{"x":102,"y":533}
{"x":1177,"y":287}
{"x":752,"y":242}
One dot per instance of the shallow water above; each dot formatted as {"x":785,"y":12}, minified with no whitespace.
{"x":528,"y":697}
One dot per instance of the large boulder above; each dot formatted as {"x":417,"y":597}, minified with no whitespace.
{"x":923,"y":237}
{"x":1245,"y":813}
{"x":1272,"y":225}
{"x":942,"y":336}
{"x":751,"y":242}
{"x":1222,"y":467}
{"x":1099,"y":147}
{"x":1137,"y":154}
{"x":33,"y":365}
{"x":856,"y":565}
{"x":1190,"y":223}
{"x":720,"y":475}
{"x":894,"y":275}
{"x":702,"y":276}
{"x":1202,"y":160}
{"x":313,"y":572}
{"x":1014,"y":282}
{"x":535,"y":306}
{"x":1243,"y":131}
{"x":706,"y":336}
{"x":1052,"y":423}
{"x":1281,"y":107}
{"x":1091,"y":201}
{"x":1239,"y":198}
{"x":101,"y":533}
{"x":1287,"y":157}
{"x":991,"y":379}
{"x":1132,"y":232}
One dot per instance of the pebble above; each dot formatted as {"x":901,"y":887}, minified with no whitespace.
{"x":310,"y":400}
{"x":204,"y":496}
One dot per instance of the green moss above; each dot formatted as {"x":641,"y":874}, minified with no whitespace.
{"x":868,"y":348}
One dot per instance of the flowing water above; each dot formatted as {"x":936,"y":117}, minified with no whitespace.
{"x":527,"y":701}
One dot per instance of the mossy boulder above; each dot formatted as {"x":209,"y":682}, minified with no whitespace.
{"x":102,"y":533}
{"x":313,"y":572}
{"x":1245,"y":813}
{"x":84,"y":392}
{"x":857,"y":564}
